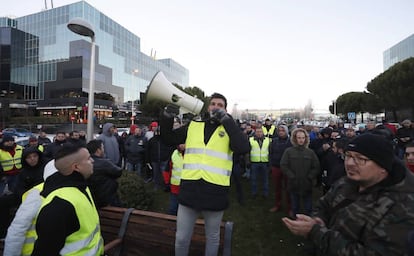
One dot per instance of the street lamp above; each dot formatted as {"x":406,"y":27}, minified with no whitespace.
{"x":135,"y":71}
{"x":83,"y":28}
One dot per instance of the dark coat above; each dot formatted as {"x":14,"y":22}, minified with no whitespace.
{"x":29,"y":176}
{"x":103,"y":182}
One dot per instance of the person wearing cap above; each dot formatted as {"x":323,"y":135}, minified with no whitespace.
{"x":152,"y":128}
{"x":68,"y":222}
{"x":34,"y":142}
{"x":10,"y":162}
{"x":368,"y":212}
{"x":21,"y":233}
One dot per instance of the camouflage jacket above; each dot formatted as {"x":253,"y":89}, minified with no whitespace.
{"x":375,"y":221}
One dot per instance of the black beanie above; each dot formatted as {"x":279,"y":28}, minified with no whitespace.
{"x":7,"y":138}
{"x":375,"y":147}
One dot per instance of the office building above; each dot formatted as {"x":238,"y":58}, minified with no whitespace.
{"x":399,"y":52}
{"x":49,"y":64}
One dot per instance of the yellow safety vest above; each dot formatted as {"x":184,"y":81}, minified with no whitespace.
{"x":87,"y":240}
{"x":7,"y":161}
{"x":212,"y":162}
{"x":31,"y":234}
{"x":257,"y":154}
{"x":177,"y":167}
{"x":270,"y":132}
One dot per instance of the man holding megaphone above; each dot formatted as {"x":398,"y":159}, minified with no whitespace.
{"x":207,"y":165}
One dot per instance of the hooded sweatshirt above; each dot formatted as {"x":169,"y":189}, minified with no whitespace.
{"x":110,"y":143}
{"x":30,"y":176}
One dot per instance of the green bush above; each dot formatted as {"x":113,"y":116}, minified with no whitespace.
{"x":132,"y":191}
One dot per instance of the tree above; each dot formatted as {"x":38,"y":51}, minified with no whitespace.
{"x":351,"y":102}
{"x":394,"y":88}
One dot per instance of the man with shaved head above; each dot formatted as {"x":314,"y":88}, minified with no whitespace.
{"x":68,"y":222}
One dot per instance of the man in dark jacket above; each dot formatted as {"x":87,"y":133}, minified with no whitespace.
{"x":158,"y":154}
{"x":52,"y":148}
{"x":279,"y":144}
{"x":368,"y":212}
{"x":103,"y":183}
{"x":206,"y":173}
{"x":135,"y":149}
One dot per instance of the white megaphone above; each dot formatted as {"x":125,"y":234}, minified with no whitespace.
{"x":162,"y":89}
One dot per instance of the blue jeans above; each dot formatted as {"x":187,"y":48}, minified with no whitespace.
{"x":186,"y":218}
{"x":295,"y":199}
{"x":260,"y":170}
{"x":134,"y":167}
{"x":173,"y":208}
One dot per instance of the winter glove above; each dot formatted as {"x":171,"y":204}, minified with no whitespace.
{"x":171,"y":111}
{"x":219,"y":115}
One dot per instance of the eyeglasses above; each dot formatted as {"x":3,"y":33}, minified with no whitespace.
{"x":357,"y":160}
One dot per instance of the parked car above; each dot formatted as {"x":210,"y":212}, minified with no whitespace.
{"x":122,"y":130}
{"x":18,"y":132}
{"x":22,"y":141}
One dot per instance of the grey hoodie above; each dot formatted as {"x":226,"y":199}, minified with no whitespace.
{"x":110,"y":142}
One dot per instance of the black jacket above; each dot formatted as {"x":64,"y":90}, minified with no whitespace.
{"x":200,"y":194}
{"x":58,"y":219}
{"x":277,"y":148}
{"x":103,"y":183}
{"x":29,"y":176}
{"x":52,"y":148}
{"x":158,"y":151}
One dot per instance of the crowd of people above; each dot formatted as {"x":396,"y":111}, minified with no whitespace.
{"x":367,"y":207}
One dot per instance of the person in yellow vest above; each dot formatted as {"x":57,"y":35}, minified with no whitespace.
{"x":207,"y":165}
{"x":172,"y":177}
{"x":10,"y":162}
{"x":21,"y":233}
{"x":268,"y":128}
{"x":258,"y":162}
{"x":68,"y":222}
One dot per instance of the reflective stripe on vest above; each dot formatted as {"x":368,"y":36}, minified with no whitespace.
{"x":212,"y":162}
{"x":31,"y":234}
{"x":257,"y":154}
{"x":177,"y":167}
{"x":87,"y":240}
{"x":7,"y":161}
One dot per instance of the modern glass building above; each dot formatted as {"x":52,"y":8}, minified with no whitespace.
{"x":53,"y":62}
{"x":399,"y":52}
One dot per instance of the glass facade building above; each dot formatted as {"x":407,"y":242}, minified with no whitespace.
{"x":399,"y":52}
{"x":54,"y":62}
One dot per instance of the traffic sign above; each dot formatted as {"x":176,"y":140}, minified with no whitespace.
{"x":72,"y":118}
{"x":351,"y":115}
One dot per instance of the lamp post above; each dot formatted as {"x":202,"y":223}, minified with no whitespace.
{"x":135,"y":71}
{"x":82,"y":27}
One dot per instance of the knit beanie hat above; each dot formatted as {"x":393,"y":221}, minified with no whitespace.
{"x":7,"y":138}
{"x":375,"y":147}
